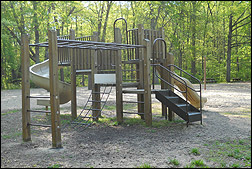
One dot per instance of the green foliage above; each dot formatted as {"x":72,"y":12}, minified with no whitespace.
{"x":184,"y":22}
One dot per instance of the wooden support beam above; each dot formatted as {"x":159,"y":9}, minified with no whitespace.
{"x":170,"y":60}
{"x":54,"y":92}
{"x":139,"y":74}
{"x":73,"y":78}
{"x":95,"y":87}
{"x":25,"y":63}
{"x":118,"y":68}
{"x":147,"y":83}
{"x":163,"y":73}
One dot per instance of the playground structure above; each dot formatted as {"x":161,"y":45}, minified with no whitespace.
{"x":105,"y":63}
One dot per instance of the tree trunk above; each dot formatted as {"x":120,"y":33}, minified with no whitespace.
{"x":36,"y":26}
{"x":229,"y":49}
{"x":100,"y":13}
{"x":109,"y":4}
{"x":193,"y":63}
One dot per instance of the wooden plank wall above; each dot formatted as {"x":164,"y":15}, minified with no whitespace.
{"x":105,"y":58}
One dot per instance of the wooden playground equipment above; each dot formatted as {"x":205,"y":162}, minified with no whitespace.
{"x":106,"y":64}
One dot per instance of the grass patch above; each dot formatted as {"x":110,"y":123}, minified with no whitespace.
{"x":195,"y":151}
{"x":244,"y":114}
{"x":10,"y":112}
{"x":197,"y":163}
{"x":110,"y":121}
{"x":145,"y":165}
{"x":65,"y":119}
{"x":11,"y":135}
{"x":55,"y":166}
{"x":233,"y":153}
{"x":174,"y":162}
{"x":125,"y":107}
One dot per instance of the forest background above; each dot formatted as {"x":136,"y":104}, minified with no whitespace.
{"x":217,"y":30}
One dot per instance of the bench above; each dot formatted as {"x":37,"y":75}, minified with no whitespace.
{"x":236,"y":79}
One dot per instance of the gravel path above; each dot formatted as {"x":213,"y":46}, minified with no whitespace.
{"x":226,"y":115}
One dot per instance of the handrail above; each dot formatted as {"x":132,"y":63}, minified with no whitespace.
{"x":189,"y":86}
{"x":173,"y":77}
{"x":171,"y":72}
{"x":126,"y":28}
{"x":154,"y":42}
{"x":184,"y":72}
{"x":184,"y":82}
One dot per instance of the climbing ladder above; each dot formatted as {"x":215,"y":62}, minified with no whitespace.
{"x":87,"y":113}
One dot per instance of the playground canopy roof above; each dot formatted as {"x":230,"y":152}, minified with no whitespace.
{"x":65,"y":43}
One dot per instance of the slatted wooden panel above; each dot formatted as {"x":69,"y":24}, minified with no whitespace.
{"x":152,"y":35}
{"x":106,"y":59}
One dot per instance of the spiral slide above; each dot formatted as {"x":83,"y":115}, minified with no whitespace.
{"x":39,"y":74}
{"x":193,"y":97}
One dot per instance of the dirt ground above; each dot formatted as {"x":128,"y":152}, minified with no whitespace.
{"x":226,"y":116}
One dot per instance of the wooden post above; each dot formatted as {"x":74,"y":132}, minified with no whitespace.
{"x":204,"y":72}
{"x":95,"y":87}
{"x":73,"y":78}
{"x":25,"y":88}
{"x":54,"y":92}
{"x":140,"y":97}
{"x":60,"y":52}
{"x":163,"y":73}
{"x":147,"y":83}
{"x":118,"y":62}
{"x":95,"y":39}
{"x":170,"y":60}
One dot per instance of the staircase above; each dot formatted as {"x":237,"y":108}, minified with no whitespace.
{"x":179,"y":106}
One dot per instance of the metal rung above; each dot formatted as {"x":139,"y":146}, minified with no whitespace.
{"x":88,"y":117}
{"x":42,"y":125}
{"x":38,"y":96}
{"x":133,"y":113}
{"x":39,"y":111}
{"x":100,"y":93}
{"x":133,"y":102}
{"x":96,"y":101}
{"x":93,"y":109}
